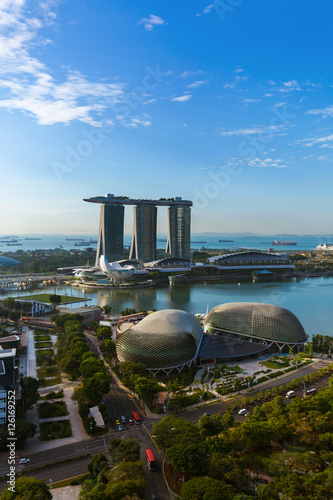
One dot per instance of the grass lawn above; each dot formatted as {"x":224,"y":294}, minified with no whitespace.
{"x":53,"y":395}
{"x":55,"y":430}
{"x":48,"y":410}
{"x":51,"y":381}
{"x":49,"y":371}
{"x":42,"y":345}
{"x":70,"y":482}
{"x":276,"y":364}
{"x":44,"y":351}
{"x":45,"y":297}
{"x":40,"y":360}
{"x":40,"y":338}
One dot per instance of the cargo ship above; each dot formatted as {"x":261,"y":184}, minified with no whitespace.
{"x":276,"y":242}
{"x":84,"y":243}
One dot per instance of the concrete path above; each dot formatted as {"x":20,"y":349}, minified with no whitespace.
{"x":31,"y":355}
{"x":66,"y":493}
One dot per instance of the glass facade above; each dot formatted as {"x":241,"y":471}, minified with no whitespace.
{"x":111,"y":233}
{"x":258,"y":321}
{"x":164,"y":339}
{"x":143,"y":247}
{"x":179,"y":237}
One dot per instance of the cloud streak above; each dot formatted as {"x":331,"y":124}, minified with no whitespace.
{"x":27,"y":84}
{"x":251,"y":131}
{"x":182,"y":98}
{"x":152,"y":21}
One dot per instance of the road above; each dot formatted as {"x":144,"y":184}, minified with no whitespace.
{"x":119,"y":403}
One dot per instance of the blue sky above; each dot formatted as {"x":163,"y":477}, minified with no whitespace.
{"x":229,"y":104}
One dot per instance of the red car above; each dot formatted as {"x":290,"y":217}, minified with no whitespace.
{"x":130,"y":421}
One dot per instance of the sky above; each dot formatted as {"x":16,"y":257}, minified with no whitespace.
{"x":227,"y":104}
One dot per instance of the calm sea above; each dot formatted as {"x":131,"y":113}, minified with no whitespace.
{"x":310,"y":299}
{"x":198,"y":241}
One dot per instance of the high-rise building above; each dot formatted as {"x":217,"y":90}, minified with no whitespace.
{"x":179,"y":231}
{"x":143,"y":247}
{"x":111,"y":233}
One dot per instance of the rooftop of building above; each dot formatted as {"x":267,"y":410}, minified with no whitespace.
{"x":111,"y":199}
{"x":249,"y":255}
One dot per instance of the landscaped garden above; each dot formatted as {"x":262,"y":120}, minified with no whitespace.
{"x":55,"y":430}
{"x":49,"y":410}
{"x":53,"y":395}
{"x":45,"y":297}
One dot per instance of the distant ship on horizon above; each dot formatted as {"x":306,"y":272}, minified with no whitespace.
{"x":276,"y":242}
{"x":84,"y":243}
{"x":228,"y":241}
{"x":32,"y":239}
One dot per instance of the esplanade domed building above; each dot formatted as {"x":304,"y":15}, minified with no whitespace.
{"x":172,"y":339}
{"x":163,"y":340}
{"x":256,"y":322}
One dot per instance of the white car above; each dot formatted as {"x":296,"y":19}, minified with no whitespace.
{"x":242,"y":412}
{"x":24,"y":460}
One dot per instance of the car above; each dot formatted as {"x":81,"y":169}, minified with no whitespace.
{"x":207,"y":414}
{"x":117,"y":422}
{"x":120,"y":428}
{"x":24,"y":460}
{"x":123,"y":419}
{"x":242,"y":412}
{"x":130,"y":421}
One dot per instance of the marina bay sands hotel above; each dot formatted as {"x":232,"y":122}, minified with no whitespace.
{"x":143,"y":247}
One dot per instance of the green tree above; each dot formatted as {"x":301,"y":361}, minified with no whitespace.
{"x":98,"y":463}
{"x":124,"y":450}
{"x":55,"y":299}
{"x":11,"y":304}
{"x":4,"y":313}
{"x":96,"y":386}
{"x":29,"y":391}
{"x":104,"y":332}
{"x":14,"y":316}
{"x":206,"y":488}
{"x":171,"y":430}
{"x":106,"y":309}
{"x":89,"y":366}
{"x":28,"y":488}
{"x":108,"y":347}
{"x":146,"y":389}
{"x":189,"y":458}
{"x":131,"y":371}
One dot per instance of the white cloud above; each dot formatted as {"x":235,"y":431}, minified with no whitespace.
{"x":206,"y":10}
{"x":189,"y":74}
{"x":135,"y":122}
{"x":151,"y":22}
{"x":182,"y":98}
{"x":279,"y":104}
{"x":323,"y":142}
{"x":325,"y":112}
{"x":266,"y":162}
{"x":196,"y":84}
{"x":238,"y":70}
{"x":290,"y":86}
{"x":248,"y":101}
{"x":28,"y":85}
{"x":251,"y":131}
